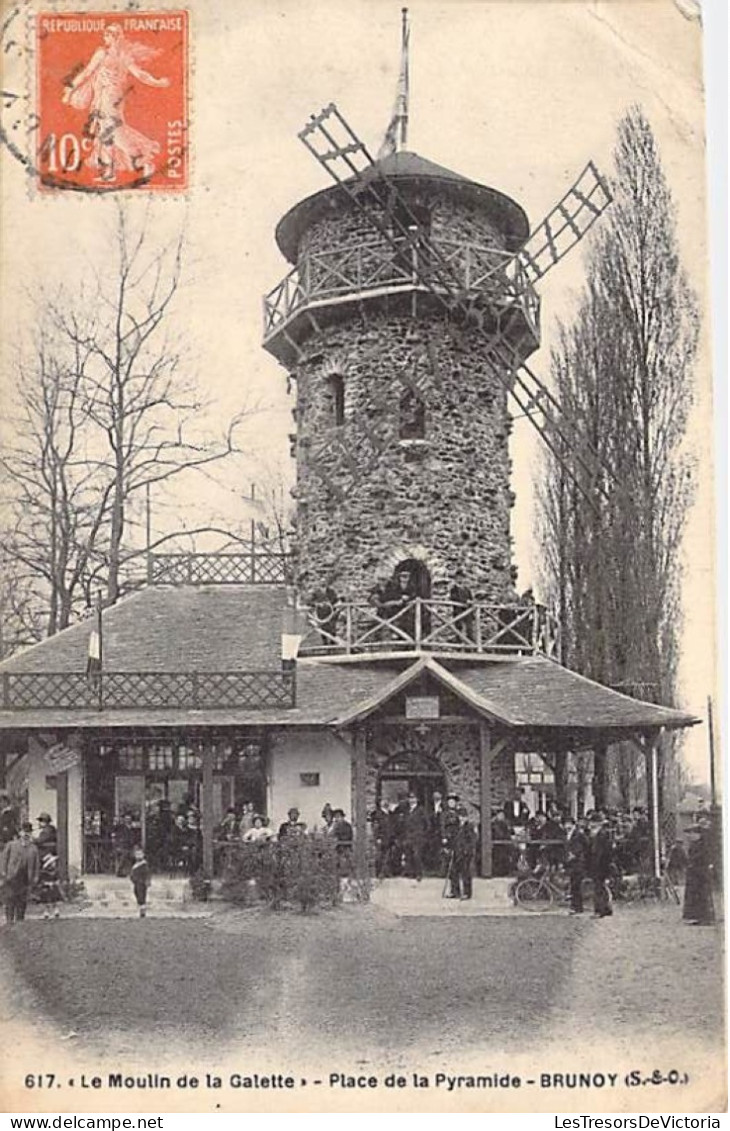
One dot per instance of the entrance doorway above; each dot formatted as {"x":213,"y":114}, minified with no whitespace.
{"x":409,"y":772}
{"x":419,"y":583}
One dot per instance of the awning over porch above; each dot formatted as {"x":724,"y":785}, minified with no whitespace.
{"x":532,"y":695}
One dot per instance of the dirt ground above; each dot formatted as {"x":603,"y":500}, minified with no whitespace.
{"x":370,"y":990}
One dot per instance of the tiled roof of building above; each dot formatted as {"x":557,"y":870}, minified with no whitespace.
{"x":407,"y":166}
{"x":238,"y":628}
{"x":536,"y":692}
{"x":532,"y":693}
{"x":185,"y":628}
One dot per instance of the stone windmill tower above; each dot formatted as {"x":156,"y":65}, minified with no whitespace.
{"x":406,"y":322}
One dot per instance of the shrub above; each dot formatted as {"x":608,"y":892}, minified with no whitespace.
{"x":200,"y":887}
{"x":302,"y":871}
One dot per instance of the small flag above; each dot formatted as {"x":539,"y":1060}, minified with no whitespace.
{"x":94,"y":654}
{"x":396,"y":134}
{"x":93,"y":660}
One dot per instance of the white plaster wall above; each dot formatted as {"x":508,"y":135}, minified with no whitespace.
{"x":308,"y":751}
{"x":41,"y":799}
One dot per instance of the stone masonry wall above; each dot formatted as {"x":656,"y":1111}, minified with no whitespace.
{"x":365,"y":498}
{"x":362,"y":502}
{"x":455,"y":748}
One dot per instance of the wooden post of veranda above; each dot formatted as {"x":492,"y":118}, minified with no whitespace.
{"x":359,"y":800}
{"x":208,"y":755}
{"x":655,"y":831}
{"x":62,"y":825}
{"x":485,"y":798}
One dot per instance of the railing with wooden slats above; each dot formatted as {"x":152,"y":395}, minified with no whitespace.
{"x":433,"y":626}
{"x":113,"y":690}
{"x":371,"y":266}
{"x":254,"y":568}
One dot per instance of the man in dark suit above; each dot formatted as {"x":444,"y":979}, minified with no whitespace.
{"x":462,"y":601}
{"x":465,"y":847}
{"x":415,"y":835}
{"x":576,"y":853}
{"x":19,"y":872}
{"x":600,"y":855}
{"x":382,"y":826}
{"x":9,"y":824}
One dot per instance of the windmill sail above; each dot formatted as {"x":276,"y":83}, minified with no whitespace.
{"x":337,"y":148}
{"x":566,"y":223}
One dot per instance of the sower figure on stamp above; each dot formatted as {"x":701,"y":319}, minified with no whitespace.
{"x":101,"y":87}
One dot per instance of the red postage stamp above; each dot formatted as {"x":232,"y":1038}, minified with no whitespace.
{"x":112,"y":100}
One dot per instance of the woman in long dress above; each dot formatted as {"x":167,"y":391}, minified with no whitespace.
{"x":101,"y":88}
{"x":698,"y":904}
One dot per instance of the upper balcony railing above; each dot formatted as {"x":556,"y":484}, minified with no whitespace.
{"x":434,"y":626}
{"x":255,"y":567}
{"x":371,"y":268}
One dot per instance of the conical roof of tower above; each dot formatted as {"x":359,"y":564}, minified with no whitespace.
{"x":405,"y":166}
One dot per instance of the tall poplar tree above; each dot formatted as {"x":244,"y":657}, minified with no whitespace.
{"x":623,"y":370}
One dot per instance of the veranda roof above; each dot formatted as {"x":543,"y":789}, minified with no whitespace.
{"x":533,"y":694}
{"x":173,"y":628}
{"x":221,"y":628}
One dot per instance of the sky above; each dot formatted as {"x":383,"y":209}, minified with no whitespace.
{"x":516,"y":95}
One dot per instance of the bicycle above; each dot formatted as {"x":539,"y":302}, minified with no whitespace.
{"x":538,"y":893}
{"x":642,"y":886}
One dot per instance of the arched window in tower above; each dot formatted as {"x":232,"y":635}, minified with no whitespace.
{"x":337,"y":393}
{"x":412,"y":416}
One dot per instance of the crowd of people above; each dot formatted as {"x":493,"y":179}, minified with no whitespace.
{"x":392,"y":599}
{"x":516,"y":832}
{"x":407,"y":840}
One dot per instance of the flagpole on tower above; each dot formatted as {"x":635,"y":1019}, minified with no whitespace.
{"x":100,"y":688}
{"x":396,"y":135}
{"x":405,"y":78}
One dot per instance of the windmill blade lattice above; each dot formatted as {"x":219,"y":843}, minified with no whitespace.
{"x":331,"y":140}
{"x":566,"y":224}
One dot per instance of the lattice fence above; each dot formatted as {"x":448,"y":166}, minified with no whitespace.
{"x":218,"y":569}
{"x":256,"y":690}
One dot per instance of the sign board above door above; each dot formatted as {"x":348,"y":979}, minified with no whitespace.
{"x":422,"y":706}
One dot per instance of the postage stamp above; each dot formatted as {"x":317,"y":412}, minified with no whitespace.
{"x":112,"y":101}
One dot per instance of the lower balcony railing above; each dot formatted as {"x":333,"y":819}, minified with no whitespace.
{"x":435,"y":626}
{"x":254,"y":690}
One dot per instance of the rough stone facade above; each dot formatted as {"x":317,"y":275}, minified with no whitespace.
{"x":367,"y":495}
{"x":454,"y":748}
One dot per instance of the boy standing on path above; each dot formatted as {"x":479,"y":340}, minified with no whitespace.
{"x":140,"y":877}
